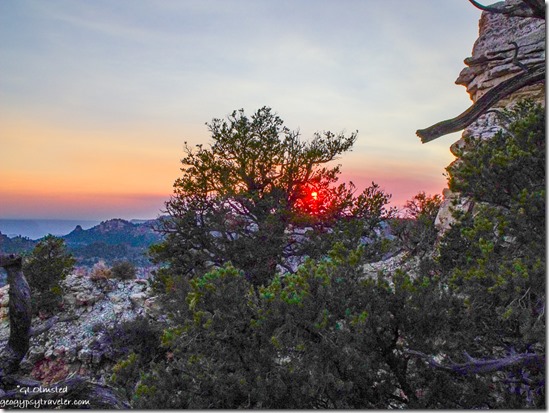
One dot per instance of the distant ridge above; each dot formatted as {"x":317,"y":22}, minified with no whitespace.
{"x":38,"y":228}
{"x":110,"y":241}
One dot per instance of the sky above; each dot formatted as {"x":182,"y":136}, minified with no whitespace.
{"x":98,"y":97}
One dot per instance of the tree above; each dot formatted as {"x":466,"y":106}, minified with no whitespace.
{"x":250,"y":196}
{"x":124,"y":270}
{"x":494,"y":257}
{"x":47,"y":265}
{"x":416,"y":229}
{"x":323,"y":337}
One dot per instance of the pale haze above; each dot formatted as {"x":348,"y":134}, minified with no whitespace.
{"x":98,"y":97}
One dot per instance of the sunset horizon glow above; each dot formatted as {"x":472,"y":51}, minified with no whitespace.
{"x":98,"y":98}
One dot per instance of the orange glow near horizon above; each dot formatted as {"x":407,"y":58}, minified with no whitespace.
{"x":98,"y":100}
{"x":57,"y":171}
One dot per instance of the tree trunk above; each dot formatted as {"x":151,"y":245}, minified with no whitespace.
{"x":20,"y":315}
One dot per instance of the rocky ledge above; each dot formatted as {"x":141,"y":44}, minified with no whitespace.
{"x":74,"y":340}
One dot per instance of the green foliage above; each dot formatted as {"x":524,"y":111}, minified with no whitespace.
{"x":416,"y":230}
{"x":328,"y":336}
{"x":136,"y":344}
{"x":47,"y":265}
{"x":494,"y":256}
{"x":245,"y":198}
{"x":323,"y":337}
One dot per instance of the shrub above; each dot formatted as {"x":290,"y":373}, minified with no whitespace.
{"x":124,"y":270}
{"x":136,"y":344}
{"x":494,"y":257}
{"x":100,"y":271}
{"x":416,"y":230}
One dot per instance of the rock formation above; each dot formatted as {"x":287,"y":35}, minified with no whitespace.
{"x":72,"y":342}
{"x":505,"y":47}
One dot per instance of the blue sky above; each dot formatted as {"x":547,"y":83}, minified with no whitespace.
{"x":97,"y":97}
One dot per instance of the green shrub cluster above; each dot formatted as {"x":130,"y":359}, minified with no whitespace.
{"x":123,"y":270}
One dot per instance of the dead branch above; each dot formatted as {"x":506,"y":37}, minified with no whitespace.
{"x":535,"y":74}
{"x":20,"y":315}
{"x":527,"y":8}
{"x":478,"y":366}
{"x":36,"y":331}
{"x":515,"y":60}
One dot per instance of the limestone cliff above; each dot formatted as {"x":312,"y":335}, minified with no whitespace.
{"x":492,"y":62}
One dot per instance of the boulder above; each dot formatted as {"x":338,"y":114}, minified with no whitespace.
{"x":138,"y":299}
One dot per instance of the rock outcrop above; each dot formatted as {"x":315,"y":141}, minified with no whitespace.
{"x":75,"y":342}
{"x":493,"y":61}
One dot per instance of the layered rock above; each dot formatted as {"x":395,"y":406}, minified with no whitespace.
{"x":492,"y":62}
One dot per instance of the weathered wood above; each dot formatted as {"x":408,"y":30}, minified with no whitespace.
{"x":527,"y":8}
{"x":20,"y":315}
{"x":36,"y":331}
{"x":499,"y":92}
{"x":481,"y":366}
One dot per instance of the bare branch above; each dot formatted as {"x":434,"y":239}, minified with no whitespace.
{"x":534,"y":75}
{"x":528,"y":8}
{"x":36,"y":331}
{"x":478,"y":366}
{"x":537,"y":7}
{"x":515,"y":60}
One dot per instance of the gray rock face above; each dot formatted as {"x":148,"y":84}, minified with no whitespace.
{"x":490,"y":64}
{"x":74,"y":342}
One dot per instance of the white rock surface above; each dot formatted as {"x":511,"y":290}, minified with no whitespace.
{"x":490,"y":64}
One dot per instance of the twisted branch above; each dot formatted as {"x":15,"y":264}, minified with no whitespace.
{"x":528,"y":8}
{"x":478,"y":366}
{"x":534,"y":75}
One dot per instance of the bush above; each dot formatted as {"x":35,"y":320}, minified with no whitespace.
{"x":318,"y":338}
{"x":494,"y":257}
{"x":124,"y":270}
{"x":100,"y":271}
{"x":136,"y":344}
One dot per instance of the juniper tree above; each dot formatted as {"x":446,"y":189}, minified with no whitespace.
{"x":47,"y":265}
{"x":249,"y":197}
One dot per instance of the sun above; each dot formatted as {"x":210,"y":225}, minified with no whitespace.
{"x":314,"y":195}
